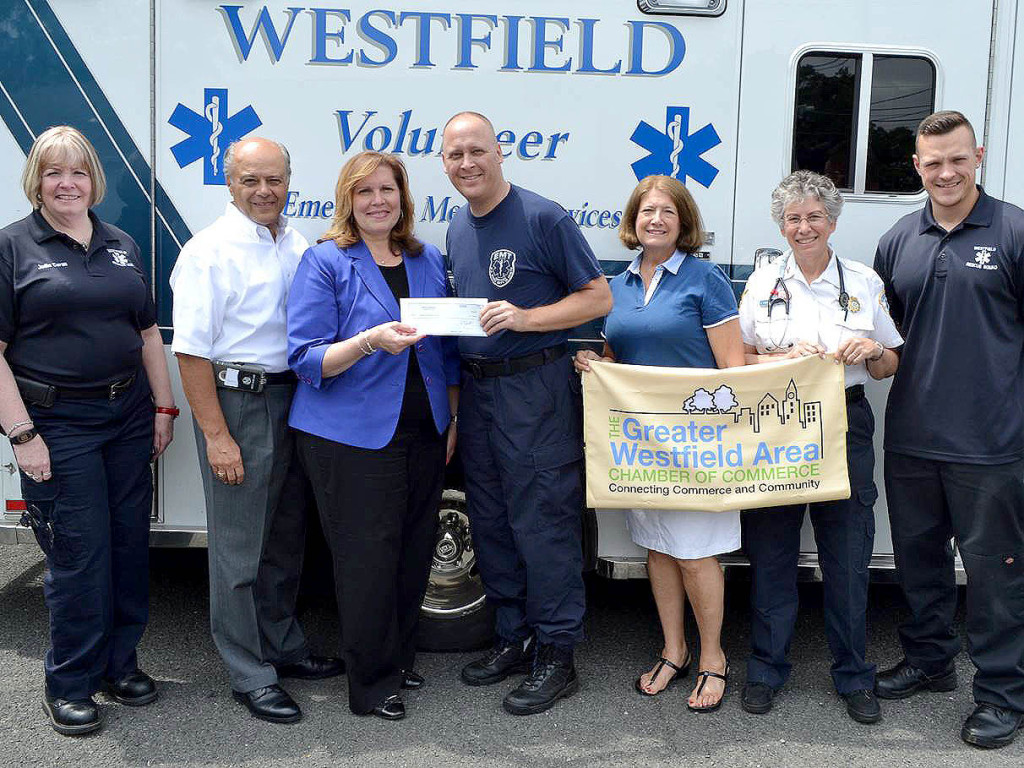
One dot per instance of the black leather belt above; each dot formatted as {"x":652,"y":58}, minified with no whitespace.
{"x":281,"y":377}
{"x":854,"y":393}
{"x":485,"y":369}
{"x":110,"y":391}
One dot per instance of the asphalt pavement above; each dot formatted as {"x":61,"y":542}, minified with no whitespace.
{"x":196,"y":723}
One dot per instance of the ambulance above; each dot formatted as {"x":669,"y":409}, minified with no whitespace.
{"x":728,"y":96}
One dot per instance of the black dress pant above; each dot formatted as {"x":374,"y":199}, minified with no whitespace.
{"x":379,"y":515}
{"x":844,"y":531}
{"x":982,"y":507}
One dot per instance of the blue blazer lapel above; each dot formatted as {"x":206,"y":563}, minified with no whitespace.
{"x":415,"y":268}
{"x":372,"y":278}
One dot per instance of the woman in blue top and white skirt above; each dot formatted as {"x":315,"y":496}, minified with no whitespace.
{"x":672,"y":308}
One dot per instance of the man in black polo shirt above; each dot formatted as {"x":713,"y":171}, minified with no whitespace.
{"x":954,"y":431}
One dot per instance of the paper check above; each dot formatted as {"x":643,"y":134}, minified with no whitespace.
{"x":444,"y":317}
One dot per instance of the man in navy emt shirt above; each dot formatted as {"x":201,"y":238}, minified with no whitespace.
{"x":954,"y":431}
{"x":520,"y":438}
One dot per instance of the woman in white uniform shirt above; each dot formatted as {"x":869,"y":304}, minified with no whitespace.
{"x":811,"y":302}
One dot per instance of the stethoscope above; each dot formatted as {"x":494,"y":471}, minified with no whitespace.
{"x":780,"y":295}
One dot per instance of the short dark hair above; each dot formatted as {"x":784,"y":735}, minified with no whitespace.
{"x":941,"y":123}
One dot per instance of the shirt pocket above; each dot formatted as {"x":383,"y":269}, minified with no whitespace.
{"x":855,"y":325}
{"x":772,"y":335}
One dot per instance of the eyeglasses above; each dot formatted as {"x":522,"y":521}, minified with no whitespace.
{"x":814,"y":219}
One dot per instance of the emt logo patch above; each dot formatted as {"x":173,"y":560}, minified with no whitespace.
{"x":502,"y":268}
{"x":982,"y":256}
{"x":119,"y":258}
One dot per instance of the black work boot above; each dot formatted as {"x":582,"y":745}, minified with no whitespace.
{"x":71,"y":717}
{"x":504,"y":659}
{"x":553,"y":677}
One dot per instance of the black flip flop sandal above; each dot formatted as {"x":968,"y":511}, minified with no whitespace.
{"x":704,"y":674}
{"x":680,"y":673}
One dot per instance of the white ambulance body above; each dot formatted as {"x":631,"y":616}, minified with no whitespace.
{"x":726,"y":95}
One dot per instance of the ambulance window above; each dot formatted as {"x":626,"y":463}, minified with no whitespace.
{"x":825,"y":125}
{"x":856,"y":115}
{"x":902,"y":95}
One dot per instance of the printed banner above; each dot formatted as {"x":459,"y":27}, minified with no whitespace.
{"x":739,"y":438}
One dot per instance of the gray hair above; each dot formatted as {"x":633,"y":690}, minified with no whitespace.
{"x":802,"y":185}
{"x":229,"y":155}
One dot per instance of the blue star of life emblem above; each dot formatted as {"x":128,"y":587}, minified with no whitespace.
{"x":210,"y":133}
{"x":676,"y":152}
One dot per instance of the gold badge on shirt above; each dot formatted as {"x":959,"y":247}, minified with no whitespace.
{"x":854,"y":304}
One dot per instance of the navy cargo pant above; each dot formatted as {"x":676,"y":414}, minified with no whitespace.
{"x":982,"y":506}
{"x":521,"y":447}
{"x":98,"y":505}
{"x":844,"y":532}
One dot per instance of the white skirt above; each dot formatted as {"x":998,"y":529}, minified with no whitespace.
{"x":684,"y":534}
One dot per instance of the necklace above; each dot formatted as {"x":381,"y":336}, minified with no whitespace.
{"x":394,"y":261}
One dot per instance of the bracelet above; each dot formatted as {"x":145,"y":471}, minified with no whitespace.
{"x":23,"y":437}
{"x":19,"y":424}
{"x":881,"y":353}
{"x":368,"y":349}
{"x":455,"y":419}
{"x":170,"y":411}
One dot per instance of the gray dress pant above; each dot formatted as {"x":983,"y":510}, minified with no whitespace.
{"x":257,"y":534}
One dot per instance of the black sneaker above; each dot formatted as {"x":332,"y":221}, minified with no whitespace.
{"x":757,"y":698}
{"x":502,"y":660}
{"x":862,"y":706}
{"x":553,"y":677}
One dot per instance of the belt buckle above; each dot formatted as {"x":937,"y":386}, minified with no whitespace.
{"x":119,"y":387}
{"x":475,"y":369}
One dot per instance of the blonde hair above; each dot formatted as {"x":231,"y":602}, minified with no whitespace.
{"x":343,"y":230}
{"x":61,"y":144}
{"x":691,"y":228}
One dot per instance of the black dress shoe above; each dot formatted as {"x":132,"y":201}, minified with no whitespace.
{"x":502,"y":660}
{"x":392,"y":708}
{"x":553,"y":677}
{"x":312,"y":668}
{"x":136,"y":689}
{"x":905,"y":680}
{"x":862,"y":706}
{"x":71,"y":718}
{"x":272,"y":704}
{"x":757,"y":698}
{"x":990,"y":726}
{"x":412,"y":681}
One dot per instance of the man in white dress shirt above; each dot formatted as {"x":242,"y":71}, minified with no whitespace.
{"x":230,"y":288}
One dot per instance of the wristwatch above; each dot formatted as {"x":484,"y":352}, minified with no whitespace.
{"x":23,"y":437}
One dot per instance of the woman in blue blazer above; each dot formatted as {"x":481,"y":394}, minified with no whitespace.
{"x":373,"y":410}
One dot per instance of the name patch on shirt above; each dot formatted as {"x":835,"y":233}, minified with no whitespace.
{"x":119,"y":258}
{"x":502,"y":267}
{"x":982,"y":256}
{"x":52,"y":265}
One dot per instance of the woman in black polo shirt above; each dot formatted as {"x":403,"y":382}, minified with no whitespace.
{"x":81,"y":368}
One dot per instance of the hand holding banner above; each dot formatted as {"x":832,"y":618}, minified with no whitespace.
{"x":707,"y":439}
